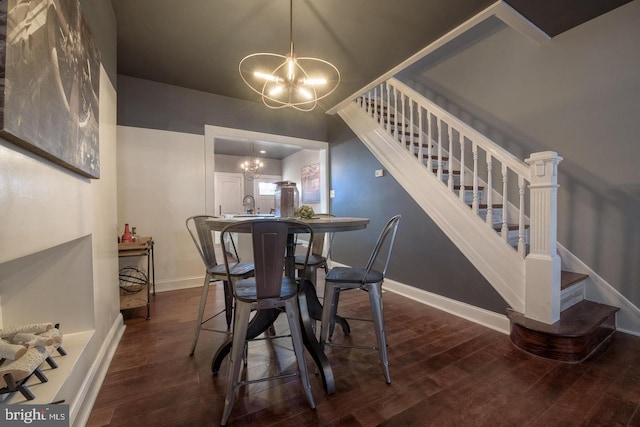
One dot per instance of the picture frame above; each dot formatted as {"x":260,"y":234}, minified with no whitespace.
{"x":50,"y":83}
{"x":310,"y":177}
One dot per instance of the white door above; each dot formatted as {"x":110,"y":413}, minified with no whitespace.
{"x":229,"y":191}
{"x":263,"y":192}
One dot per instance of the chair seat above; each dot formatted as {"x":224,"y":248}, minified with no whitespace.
{"x":245,"y":289}
{"x":237,"y":269}
{"x":314,"y":260}
{"x":353,"y":275}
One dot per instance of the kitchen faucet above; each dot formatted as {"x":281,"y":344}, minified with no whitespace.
{"x":249,"y":204}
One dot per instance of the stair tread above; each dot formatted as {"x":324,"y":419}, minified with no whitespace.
{"x":485,"y":206}
{"x":468,"y":187}
{"x":446,"y":171}
{"x":433,"y":156}
{"x":407,"y":133}
{"x":578,"y":320}
{"x":510,"y":227}
{"x":568,"y":278}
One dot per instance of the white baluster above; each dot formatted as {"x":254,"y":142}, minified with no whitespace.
{"x":429,"y":142}
{"x":505,"y":200}
{"x":439,"y":125}
{"x":381,"y":103}
{"x":462,"y":168}
{"x":404,"y":122}
{"x":420,"y":136}
{"x":475,"y":202}
{"x":489,"y":190}
{"x":410,"y":147}
{"x":450,"y":165}
{"x":388,"y":108}
{"x":374,"y":102}
{"x":521,"y":240}
{"x":395,"y":110}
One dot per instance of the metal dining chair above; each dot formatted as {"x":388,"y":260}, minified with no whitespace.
{"x":268,"y":289}
{"x":367,"y":279}
{"x":316,"y":259}
{"x":202,"y":237}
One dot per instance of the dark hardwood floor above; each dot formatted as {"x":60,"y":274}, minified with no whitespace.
{"x":445,"y":371}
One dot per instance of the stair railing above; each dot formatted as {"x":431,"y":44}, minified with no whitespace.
{"x":444,"y":143}
{"x":515,"y":198}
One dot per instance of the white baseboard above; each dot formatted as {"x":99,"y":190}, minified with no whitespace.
{"x":183,"y":283}
{"x":80,"y":408}
{"x":490,"y":319}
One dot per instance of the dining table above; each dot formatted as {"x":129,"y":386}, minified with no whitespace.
{"x":310,"y":307}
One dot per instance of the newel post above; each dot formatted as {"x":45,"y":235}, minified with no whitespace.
{"x":542,"y":265}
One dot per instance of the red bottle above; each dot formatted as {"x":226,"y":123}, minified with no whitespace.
{"x":126,"y":237}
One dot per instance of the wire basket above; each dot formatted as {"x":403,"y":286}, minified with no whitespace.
{"x":132,"y":279}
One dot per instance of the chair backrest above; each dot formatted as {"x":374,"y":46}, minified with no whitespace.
{"x":317,"y":248}
{"x":389,"y":230}
{"x":269,"y":238}
{"x":203,"y":238}
{"x":318,"y":242}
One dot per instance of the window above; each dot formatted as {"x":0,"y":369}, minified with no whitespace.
{"x":266,"y":188}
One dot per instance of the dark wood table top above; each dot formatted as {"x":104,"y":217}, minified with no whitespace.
{"x":319,"y":224}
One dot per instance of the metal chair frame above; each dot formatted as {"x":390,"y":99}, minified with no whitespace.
{"x":367,"y":279}
{"x":202,"y":237}
{"x":268,"y":289}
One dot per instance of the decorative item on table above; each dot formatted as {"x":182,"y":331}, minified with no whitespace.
{"x":305,"y":211}
{"x":286,"y":199}
{"x":127,"y":237}
{"x":132,"y":279}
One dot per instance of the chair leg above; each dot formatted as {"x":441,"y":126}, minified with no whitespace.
{"x":375,"y":298}
{"x":203,"y":303}
{"x":293,"y":315}
{"x":326,"y":312}
{"x":228,"y":302}
{"x":334,"y":309}
{"x":241,"y":323}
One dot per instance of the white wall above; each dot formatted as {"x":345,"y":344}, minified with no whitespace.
{"x":577,"y":94}
{"x":165,"y":177}
{"x":161,"y":182}
{"x":292,"y":171}
{"x":44,"y":207}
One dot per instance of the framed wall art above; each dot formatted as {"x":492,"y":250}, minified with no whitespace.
{"x":310,"y":177}
{"x":50,"y":82}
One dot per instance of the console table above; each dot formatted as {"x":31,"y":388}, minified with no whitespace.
{"x":143,"y":247}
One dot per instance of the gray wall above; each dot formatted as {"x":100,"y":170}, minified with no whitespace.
{"x":577,"y":95}
{"x":100,"y":17}
{"x":147,"y":104}
{"x":423,"y":256}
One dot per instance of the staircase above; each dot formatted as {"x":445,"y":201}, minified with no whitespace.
{"x":498,"y":210}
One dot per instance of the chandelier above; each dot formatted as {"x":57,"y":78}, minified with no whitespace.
{"x":252,"y":167}
{"x":289,"y":80}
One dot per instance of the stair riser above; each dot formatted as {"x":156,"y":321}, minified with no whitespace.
{"x":468,"y":196}
{"x":513,"y":237}
{"x":571,"y":296}
{"x":434,"y":163}
{"x":496,"y":215}
{"x":445,"y":178}
{"x":564,"y":348}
